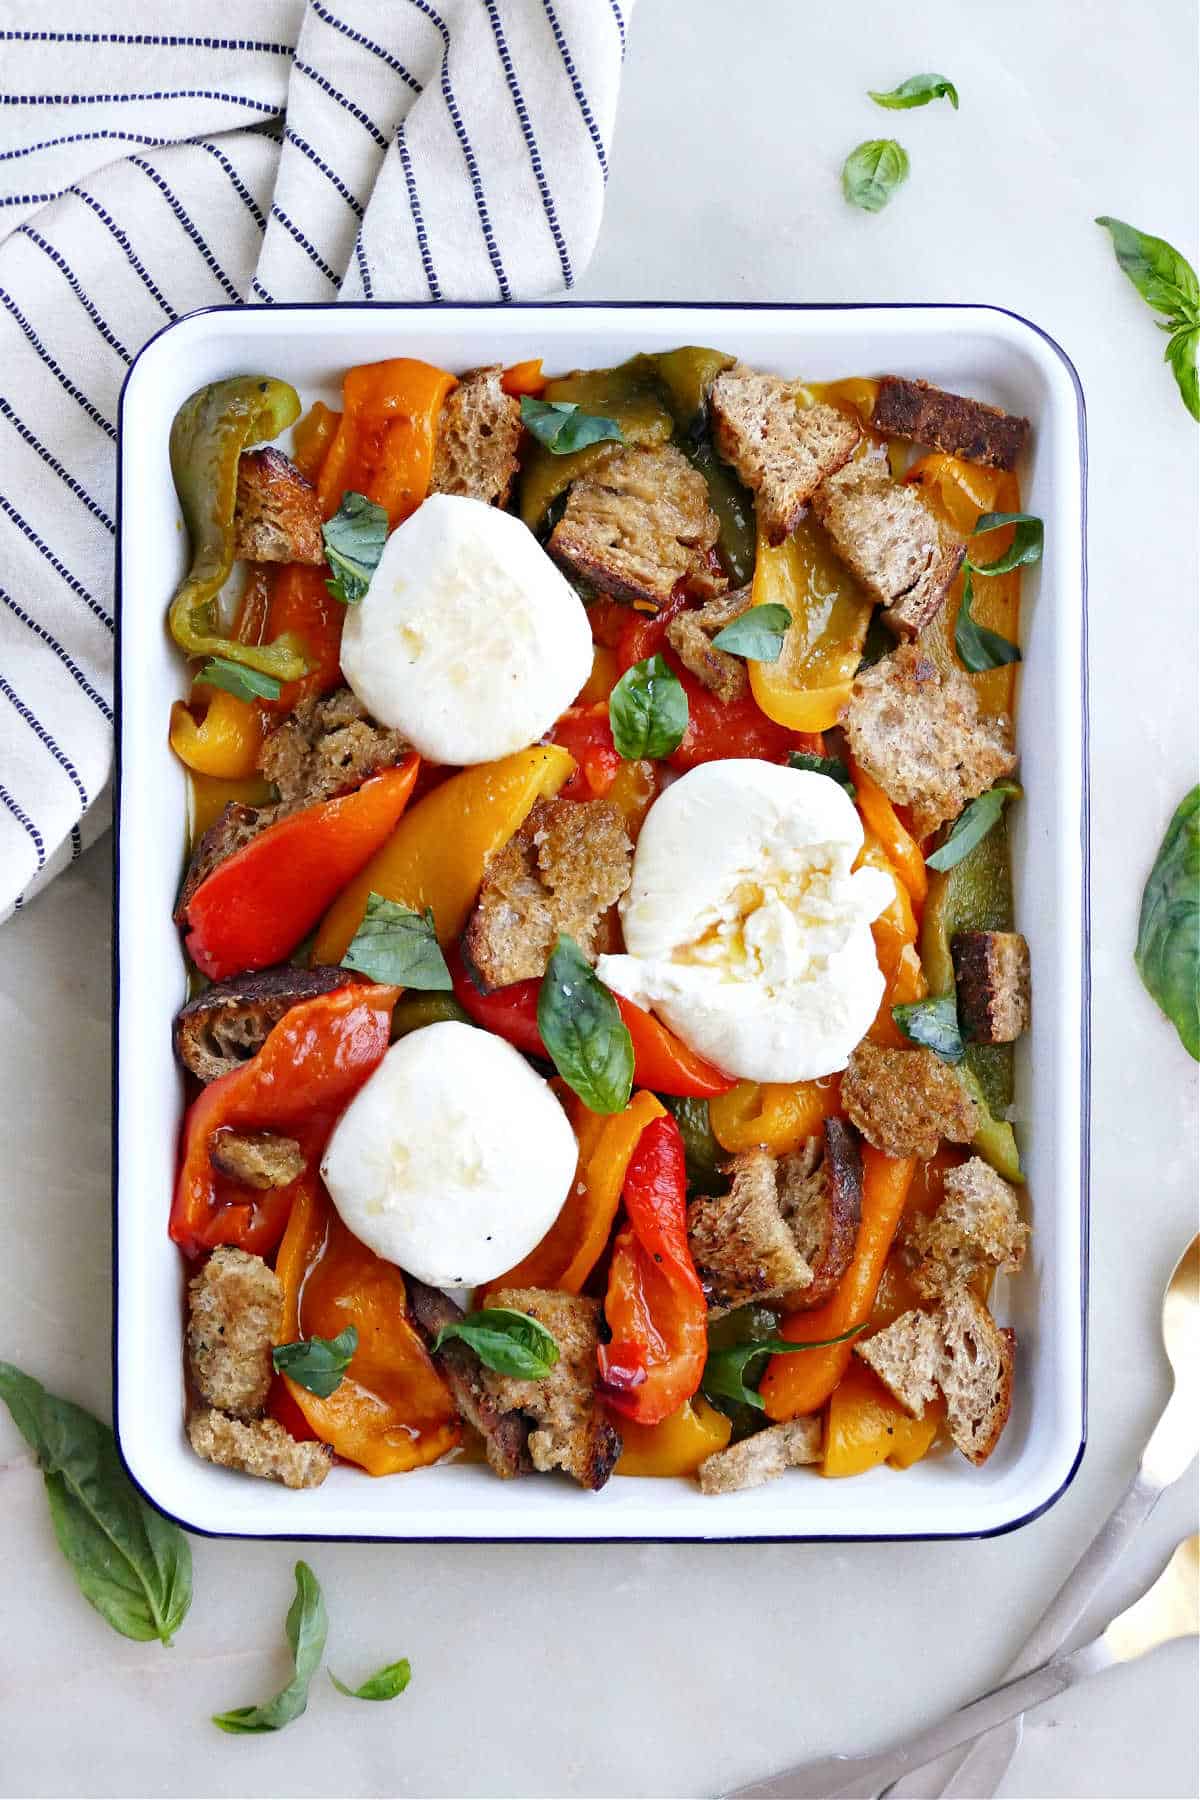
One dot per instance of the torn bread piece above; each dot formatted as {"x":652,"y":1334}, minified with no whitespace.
{"x":477,"y":437}
{"x":637,"y":523}
{"x":327,"y":746}
{"x":223,"y":1027}
{"x":991,"y":978}
{"x":781,"y":449}
{"x":235,"y":1312}
{"x":949,"y":422}
{"x":690,"y":634}
{"x":571,"y":1430}
{"x":957,"y":1350}
{"x":975,"y":1232}
{"x":504,"y":1433}
{"x":256,"y":1159}
{"x":890,"y":541}
{"x":906,"y":1101}
{"x":762,"y":1457}
{"x":277,"y":516}
{"x":258,"y":1447}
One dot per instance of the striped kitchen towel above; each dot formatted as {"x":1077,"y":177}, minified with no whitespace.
{"x":156,"y":157}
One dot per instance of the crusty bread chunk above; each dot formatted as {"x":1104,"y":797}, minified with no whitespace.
{"x":957,"y":1350}
{"x":504,"y":1433}
{"x":949,"y":422}
{"x":235,"y":1311}
{"x":976,"y":1231}
{"x":637,"y":522}
{"x":920,"y":735}
{"x":325,"y":747}
{"x":572,"y":1431}
{"x":782,"y":449}
{"x":991,"y":975}
{"x":559,"y":874}
{"x":477,"y":437}
{"x":258,"y":1447}
{"x":690,"y":634}
{"x":890,"y":541}
{"x":277,"y":516}
{"x":230,"y":1021}
{"x":258,"y":1159}
{"x":761,"y":1457}
{"x":906,"y":1101}
{"x":822,"y":1204}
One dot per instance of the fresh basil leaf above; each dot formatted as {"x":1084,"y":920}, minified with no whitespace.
{"x":1168,"y":939}
{"x":394,"y":944}
{"x":1181,"y":352}
{"x":306,"y":1626}
{"x":972,"y":826}
{"x":978,"y":648}
{"x":237,"y":679}
{"x":727,"y":1373}
{"x":1026,"y":546}
{"x":318,"y":1364}
{"x":385,"y":1684}
{"x":505,"y":1340}
{"x":131,"y":1564}
{"x":583,"y":1031}
{"x":354,"y":540}
{"x":648,"y":711}
{"x":833,"y":766}
{"x":918,"y":90}
{"x":758,"y":633}
{"x":872,"y":173}
{"x":933,"y":1023}
{"x":562,"y":426}
{"x":1166,"y":281}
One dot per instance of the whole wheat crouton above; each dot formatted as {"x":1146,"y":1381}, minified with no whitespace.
{"x":477,"y":437}
{"x":782,"y":449}
{"x":949,"y":422}
{"x":258,"y":1447}
{"x":959,"y":1350}
{"x":504,"y":1433}
{"x":326,"y":746}
{"x":690,"y":634}
{"x":228,"y":1023}
{"x":257,"y":1159}
{"x":761,"y":1457}
{"x":820,"y":1196}
{"x":637,"y":522}
{"x":991,"y":976}
{"x":559,"y":873}
{"x":235,"y":1311}
{"x":572,"y":1431}
{"x":976,"y":1230}
{"x":890,"y":541}
{"x":277,"y":516}
{"x":920,"y":735}
{"x":906,"y":1101}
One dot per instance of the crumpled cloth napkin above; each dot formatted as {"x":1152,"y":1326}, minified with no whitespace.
{"x":159,"y":157}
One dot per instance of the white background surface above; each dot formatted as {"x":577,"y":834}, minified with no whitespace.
{"x":655,"y":1670}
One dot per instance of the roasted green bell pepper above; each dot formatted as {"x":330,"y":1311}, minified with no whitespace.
{"x":703,"y":1153}
{"x":631,"y":394}
{"x":414,"y":1011}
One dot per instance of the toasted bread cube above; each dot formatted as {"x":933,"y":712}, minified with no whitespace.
{"x":235,"y":1310}
{"x":949,"y":422}
{"x":975,"y":1232}
{"x":823,"y":1207}
{"x":327,"y":746}
{"x":890,"y":541}
{"x":762,"y":1457}
{"x":637,"y":523}
{"x":906,"y":1101}
{"x":690,"y":634}
{"x":259,"y":1447}
{"x":277,"y":516}
{"x":256,"y":1159}
{"x":572,"y":1431}
{"x":959,"y":1351}
{"x":991,"y":973}
{"x":504,"y":1433}
{"x":782,"y":449}
{"x":477,"y":437}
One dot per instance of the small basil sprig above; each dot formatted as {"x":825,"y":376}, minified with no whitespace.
{"x":648,"y":711}
{"x":131,"y":1564}
{"x":505,"y":1340}
{"x":978,"y":648}
{"x":354,"y":540}
{"x":397,"y":945}
{"x":562,"y":425}
{"x":583,"y":1031}
{"x":972,"y":826}
{"x":306,"y":1627}
{"x":758,"y":633}
{"x":727,"y":1373}
{"x":833,"y":766}
{"x":237,"y":679}
{"x":385,"y":1684}
{"x":934,"y":1024}
{"x":1026,"y":547}
{"x":1168,"y":939}
{"x":872,"y":173}
{"x":1167,"y":282}
{"x":918,"y":90}
{"x":318,"y":1364}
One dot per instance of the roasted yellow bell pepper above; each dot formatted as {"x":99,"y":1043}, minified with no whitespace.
{"x":225,"y":741}
{"x":809,"y":685}
{"x":779,"y":1116}
{"x":606,"y":672}
{"x":676,"y":1446}
{"x":866,"y":1427}
{"x":211,"y":794}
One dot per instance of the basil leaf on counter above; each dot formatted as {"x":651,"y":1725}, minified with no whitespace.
{"x":562,"y":426}
{"x":1026,"y":546}
{"x":237,"y":679}
{"x":385,"y":1684}
{"x":306,"y":1627}
{"x":978,"y":648}
{"x":648,"y":711}
{"x":1182,"y":352}
{"x":394,"y":944}
{"x":972,"y":826}
{"x":354,"y":540}
{"x":758,"y":633}
{"x":505,"y":1340}
{"x":318,"y":1364}
{"x":1167,"y":282}
{"x":727,"y":1372}
{"x":131,"y":1564}
{"x":583,"y":1031}
{"x":933,"y":1023}
{"x":833,"y":766}
{"x":918,"y":90}
{"x":872,"y":173}
{"x":1168,"y":939}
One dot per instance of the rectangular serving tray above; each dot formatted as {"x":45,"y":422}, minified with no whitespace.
{"x":982,"y":351}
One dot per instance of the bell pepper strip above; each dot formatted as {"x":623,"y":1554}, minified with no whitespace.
{"x":524,"y":378}
{"x":312,"y":437}
{"x":308,"y":1069}
{"x":654,"y":1305}
{"x":259,"y":903}
{"x":866,"y":1427}
{"x":508,"y":1012}
{"x":678,"y":1444}
{"x":603,"y":678}
{"x":282,"y":1407}
{"x":384,"y":443}
{"x":224,"y":740}
{"x":208,"y":434}
{"x":855,"y":393}
{"x":809,"y":685}
{"x":302,"y":607}
{"x":629,"y":394}
{"x":436,"y":857}
{"x":905,"y":982}
{"x":211,"y":794}
{"x":391,"y":1411}
{"x":776,"y":1116}
{"x":896,"y":841}
{"x":797,"y":1385}
{"x":585,"y":732}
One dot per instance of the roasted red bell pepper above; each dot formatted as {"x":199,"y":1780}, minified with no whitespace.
{"x":300,"y":603}
{"x":309,"y":1068}
{"x":260,"y":902}
{"x":587,"y":734}
{"x":655,"y":1305}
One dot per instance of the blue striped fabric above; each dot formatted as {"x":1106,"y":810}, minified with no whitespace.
{"x":422,"y":150}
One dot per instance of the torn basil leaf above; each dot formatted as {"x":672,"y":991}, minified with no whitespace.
{"x":385,"y":1684}
{"x":648,"y":711}
{"x":833,"y":766}
{"x":237,"y":679}
{"x":562,"y":425}
{"x":972,"y":826}
{"x":918,"y":90}
{"x":318,"y":1364}
{"x":1168,"y":939}
{"x":306,"y":1627}
{"x":505,"y":1340}
{"x":354,"y":540}
{"x":1167,"y":282}
{"x":1026,"y":546}
{"x":728,"y":1373}
{"x":758,"y":633}
{"x":583,"y":1031}
{"x":933,"y":1023}
{"x":978,"y":648}
{"x":872,"y":173}
{"x":396,"y":945}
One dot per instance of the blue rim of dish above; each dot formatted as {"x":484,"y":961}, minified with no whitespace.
{"x":697,"y":306}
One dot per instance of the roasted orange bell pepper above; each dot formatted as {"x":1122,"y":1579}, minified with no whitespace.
{"x":796,"y":1385}
{"x":676,"y":1446}
{"x":311,"y":1065}
{"x":259,"y":903}
{"x":391,"y":1411}
{"x":776,"y":1115}
{"x":809,"y":685}
{"x":224,"y":740}
{"x":866,"y":1426}
{"x":524,"y":378}
{"x":384,"y":443}
{"x":312,"y":437}
{"x":896,"y":841}
{"x":606,"y":672}
{"x":905,"y":982}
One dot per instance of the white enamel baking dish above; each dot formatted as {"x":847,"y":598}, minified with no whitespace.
{"x":977,"y":350}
